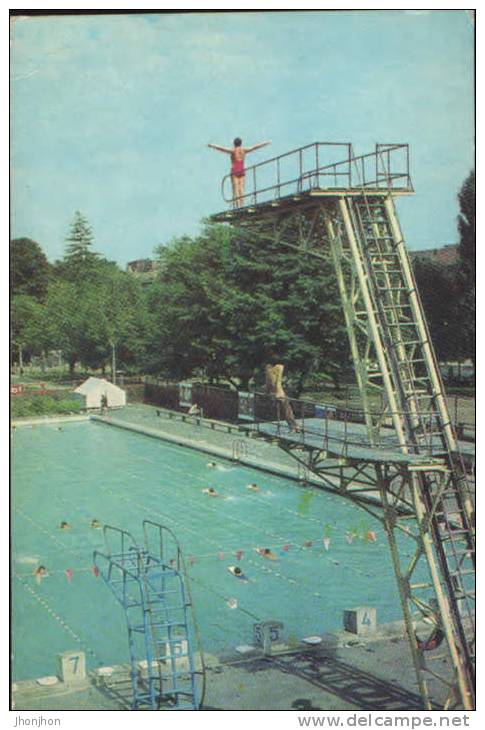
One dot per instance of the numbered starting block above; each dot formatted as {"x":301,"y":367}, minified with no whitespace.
{"x":72,"y":666}
{"x":266,"y":634}
{"x":361,"y":620}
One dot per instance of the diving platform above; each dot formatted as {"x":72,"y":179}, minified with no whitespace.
{"x":318,"y":170}
{"x":349,"y":441}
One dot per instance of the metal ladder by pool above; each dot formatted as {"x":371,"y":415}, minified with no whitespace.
{"x":151,"y":584}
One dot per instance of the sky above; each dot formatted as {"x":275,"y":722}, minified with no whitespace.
{"x":111,"y":115}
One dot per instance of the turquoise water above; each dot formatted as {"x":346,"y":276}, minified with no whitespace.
{"x":89,"y":471}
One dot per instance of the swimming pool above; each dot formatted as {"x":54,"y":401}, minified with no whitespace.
{"x":88,"y":470}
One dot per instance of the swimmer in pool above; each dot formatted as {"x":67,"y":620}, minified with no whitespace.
{"x":211,"y":492}
{"x":64,"y":526}
{"x":95,"y":524}
{"x":212,"y":464}
{"x":237,"y":572}
{"x":40,"y":573}
{"x":253,"y":487}
{"x":266,"y":553}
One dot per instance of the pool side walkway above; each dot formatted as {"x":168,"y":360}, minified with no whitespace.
{"x":347,"y":673}
{"x":234,"y":445}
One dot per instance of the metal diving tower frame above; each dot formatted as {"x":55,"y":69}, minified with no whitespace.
{"x":151,"y":584}
{"x":325,"y":201}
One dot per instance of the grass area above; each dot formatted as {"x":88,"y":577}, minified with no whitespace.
{"x":42,"y":405}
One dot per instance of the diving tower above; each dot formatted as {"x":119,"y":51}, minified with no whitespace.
{"x":326,"y":202}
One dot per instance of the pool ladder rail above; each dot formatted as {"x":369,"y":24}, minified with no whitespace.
{"x":151,"y":584}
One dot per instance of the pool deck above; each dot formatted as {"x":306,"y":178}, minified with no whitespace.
{"x":345,"y":672}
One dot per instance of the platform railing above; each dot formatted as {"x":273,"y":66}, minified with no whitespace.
{"x":311,"y":167}
{"x":270,"y":410}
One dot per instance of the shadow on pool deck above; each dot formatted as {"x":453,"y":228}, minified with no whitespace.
{"x":377,"y":676}
{"x":365,"y":690}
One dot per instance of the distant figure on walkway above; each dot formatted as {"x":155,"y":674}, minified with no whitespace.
{"x":238,"y":173}
{"x":194,"y":410}
{"x":274,"y":386}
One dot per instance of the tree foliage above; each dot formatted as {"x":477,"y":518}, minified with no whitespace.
{"x":439,"y":289}
{"x":29,"y":269}
{"x":220,"y":302}
{"x":466,"y":228}
{"x":467,"y":249}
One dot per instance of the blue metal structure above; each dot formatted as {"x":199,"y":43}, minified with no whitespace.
{"x":151,"y":585}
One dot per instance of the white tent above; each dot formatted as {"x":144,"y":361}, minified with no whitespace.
{"x":93,"y":390}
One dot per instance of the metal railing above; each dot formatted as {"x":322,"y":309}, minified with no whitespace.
{"x":333,"y":428}
{"x":311,"y":167}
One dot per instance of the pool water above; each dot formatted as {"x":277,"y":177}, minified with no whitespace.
{"x":89,"y":470}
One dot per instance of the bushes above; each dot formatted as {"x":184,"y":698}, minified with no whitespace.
{"x":42,"y":405}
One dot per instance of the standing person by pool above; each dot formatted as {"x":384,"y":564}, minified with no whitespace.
{"x":238,"y":174}
{"x":274,"y":385}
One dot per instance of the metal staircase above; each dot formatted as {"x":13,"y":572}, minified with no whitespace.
{"x":151,"y":584}
{"x":403,"y":364}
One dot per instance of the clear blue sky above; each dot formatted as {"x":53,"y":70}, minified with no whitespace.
{"x":111,"y":115}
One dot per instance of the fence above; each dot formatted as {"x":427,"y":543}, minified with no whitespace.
{"x":215,"y":402}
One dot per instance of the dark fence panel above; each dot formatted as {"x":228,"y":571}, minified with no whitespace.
{"x":265,"y":408}
{"x":134,"y":393}
{"x":166,"y":396}
{"x":218,"y":403}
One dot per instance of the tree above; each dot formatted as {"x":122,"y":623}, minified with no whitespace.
{"x":29,"y":269}
{"x":25,"y":316}
{"x":466,"y":228}
{"x":439,"y":289}
{"x":467,"y":284}
{"x":122,"y":317}
{"x":79,"y":258}
{"x":221,"y":301}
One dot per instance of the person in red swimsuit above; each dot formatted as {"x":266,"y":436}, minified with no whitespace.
{"x":238,"y":153}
